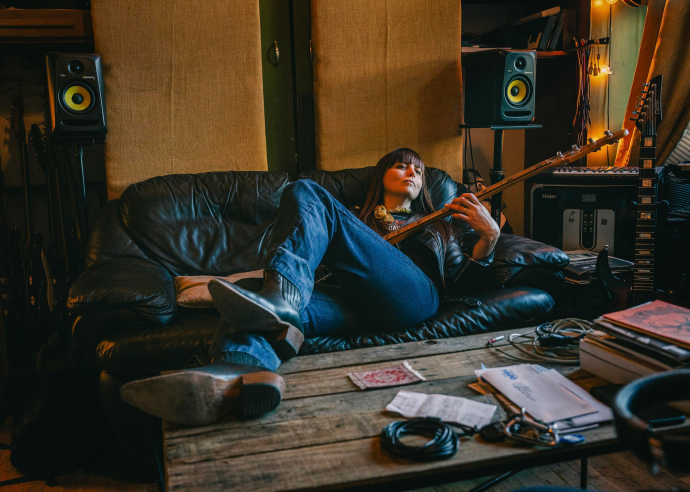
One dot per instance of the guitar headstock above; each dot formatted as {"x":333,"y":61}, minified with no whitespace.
{"x":38,"y":145}
{"x":647,"y":114}
{"x":576,"y":153}
{"x":17,"y":119}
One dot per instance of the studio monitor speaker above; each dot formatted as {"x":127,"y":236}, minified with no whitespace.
{"x":499,"y":87}
{"x":76,"y":105}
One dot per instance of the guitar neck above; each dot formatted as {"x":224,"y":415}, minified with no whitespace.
{"x":410,"y":229}
{"x":26,"y":186}
{"x":559,"y":160}
{"x":643,"y":282}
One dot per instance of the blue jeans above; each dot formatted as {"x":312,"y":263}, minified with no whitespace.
{"x":379,"y":288}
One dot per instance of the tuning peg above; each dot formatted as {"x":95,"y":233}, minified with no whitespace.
{"x":633,"y":119}
{"x":646,"y":84}
{"x":559,"y":154}
{"x":590,"y":140}
{"x":608,"y":133}
{"x":575,"y":147}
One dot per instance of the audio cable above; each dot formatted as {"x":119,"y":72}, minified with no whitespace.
{"x":443,"y":444}
{"x":555,"y":342}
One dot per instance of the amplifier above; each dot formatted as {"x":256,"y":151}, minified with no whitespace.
{"x":672,"y":259}
{"x":585,"y":208}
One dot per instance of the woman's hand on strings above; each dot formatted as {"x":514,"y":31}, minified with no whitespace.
{"x":469,"y":210}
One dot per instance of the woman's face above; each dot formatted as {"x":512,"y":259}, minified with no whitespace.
{"x":403,"y":180}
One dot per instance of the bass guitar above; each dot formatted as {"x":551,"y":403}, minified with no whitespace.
{"x":49,"y":258}
{"x":6,"y":292}
{"x":641,"y":289}
{"x":34,"y":273}
{"x":560,"y":159}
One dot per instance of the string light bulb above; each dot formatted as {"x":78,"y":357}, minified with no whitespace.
{"x":605,"y":70}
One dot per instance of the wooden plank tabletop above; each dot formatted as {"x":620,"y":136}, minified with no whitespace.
{"x":324,"y":435}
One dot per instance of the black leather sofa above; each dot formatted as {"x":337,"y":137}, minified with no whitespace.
{"x":129,"y":325}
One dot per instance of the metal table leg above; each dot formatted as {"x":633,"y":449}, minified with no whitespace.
{"x":583,"y":473}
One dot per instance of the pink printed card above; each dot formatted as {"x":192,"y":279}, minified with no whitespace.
{"x":385,"y":377}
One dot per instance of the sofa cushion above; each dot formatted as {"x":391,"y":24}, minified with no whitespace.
{"x":500,"y":309}
{"x":192,"y":291}
{"x":217,"y":223}
{"x":109,"y":239}
{"x":137,"y":352}
{"x":138,"y":290}
{"x":203,"y":224}
{"x":513,"y":256}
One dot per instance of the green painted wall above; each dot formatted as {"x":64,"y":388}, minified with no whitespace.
{"x":627,"y":25}
{"x":278,"y":85}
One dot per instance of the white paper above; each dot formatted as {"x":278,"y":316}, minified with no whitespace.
{"x":447,"y":408}
{"x":544,"y":393}
{"x":602,"y":414}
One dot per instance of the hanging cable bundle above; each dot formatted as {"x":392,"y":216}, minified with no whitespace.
{"x":582,"y":121}
{"x":443,"y":444}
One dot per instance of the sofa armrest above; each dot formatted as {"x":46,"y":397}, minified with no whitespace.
{"x":515,"y":254}
{"x":127,"y":288}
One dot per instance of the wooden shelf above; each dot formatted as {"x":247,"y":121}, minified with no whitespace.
{"x":540,"y":54}
{"x":551,"y":54}
{"x":45,"y":25}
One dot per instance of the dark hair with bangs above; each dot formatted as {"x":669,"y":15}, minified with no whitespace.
{"x":421,"y":205}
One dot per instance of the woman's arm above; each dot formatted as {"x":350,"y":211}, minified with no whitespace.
{"x":474,"y":214}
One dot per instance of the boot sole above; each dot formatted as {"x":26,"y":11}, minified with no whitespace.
{"x":249,"y":316}
{"x":197,"y":398}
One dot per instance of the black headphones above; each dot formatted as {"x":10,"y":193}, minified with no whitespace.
{"x":669,"y":446}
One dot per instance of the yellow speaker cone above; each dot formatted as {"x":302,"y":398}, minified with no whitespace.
{"x":516,"y":91}
{"x":77,"y":98}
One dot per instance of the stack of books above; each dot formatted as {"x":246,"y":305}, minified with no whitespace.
{"x":582,"y":268}
{"x":629,"y":344}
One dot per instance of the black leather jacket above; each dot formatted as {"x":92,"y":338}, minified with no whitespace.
{"x":441,"y":251}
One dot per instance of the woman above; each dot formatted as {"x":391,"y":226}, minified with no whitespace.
{"x":379,"y":287}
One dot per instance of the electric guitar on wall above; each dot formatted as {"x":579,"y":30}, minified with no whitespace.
{"x":35,"y":282}
{"x":561,"y":159}
{"x":49,"y":257}
{"x":627,"y":294}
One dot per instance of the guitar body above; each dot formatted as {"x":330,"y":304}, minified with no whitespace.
{"x":37,"y":285}
{"x":617,"y":290}
{"x":621,"y":292}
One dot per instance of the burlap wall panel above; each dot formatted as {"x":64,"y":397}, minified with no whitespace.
{"x":183,"y":85}
{"x":387,"y":74}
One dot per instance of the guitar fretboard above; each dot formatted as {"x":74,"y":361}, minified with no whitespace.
{"x":643,"y":282}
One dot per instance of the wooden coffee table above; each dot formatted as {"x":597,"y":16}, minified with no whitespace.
{"x":324,"y":435}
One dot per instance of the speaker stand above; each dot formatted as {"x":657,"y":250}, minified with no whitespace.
{"x":496,"y":174}
{"x":79,"y":149}
{"x":78,"y":143}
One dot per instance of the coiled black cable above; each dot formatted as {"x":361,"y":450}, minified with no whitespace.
{"x":443,"y":444}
